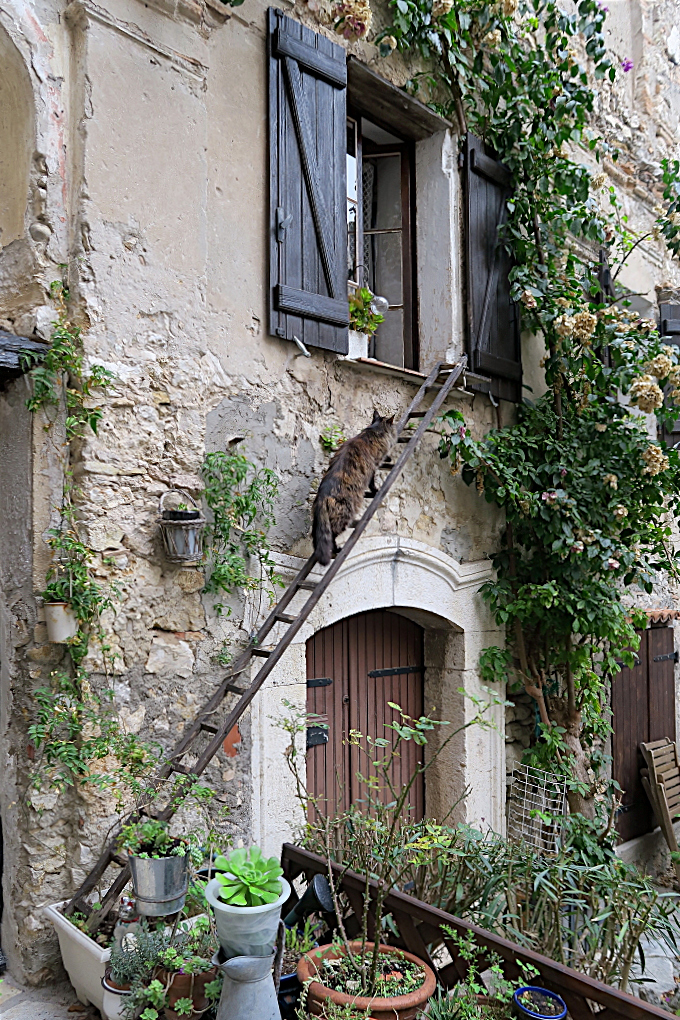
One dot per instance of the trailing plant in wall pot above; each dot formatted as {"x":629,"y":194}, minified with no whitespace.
{"x":247,"y":896}
{"x":159,"y":865}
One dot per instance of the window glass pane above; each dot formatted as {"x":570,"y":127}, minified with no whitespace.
{"x":352,"y":199}
{"x":382,"y":192}
{"x":382,"y":258}
{"x":388,"y":341}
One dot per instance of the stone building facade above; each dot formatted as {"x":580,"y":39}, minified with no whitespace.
{"x":134,"y":167}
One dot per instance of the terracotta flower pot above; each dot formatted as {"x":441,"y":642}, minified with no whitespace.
{"x":186,"y":986}
{"x":398,"y":1007}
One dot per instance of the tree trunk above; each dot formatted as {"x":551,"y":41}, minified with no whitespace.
{"x":579,"y":803}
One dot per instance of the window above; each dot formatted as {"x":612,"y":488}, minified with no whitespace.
{"x":379,"y":229}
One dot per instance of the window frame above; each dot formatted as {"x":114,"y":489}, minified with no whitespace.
{"x":405,"y":149}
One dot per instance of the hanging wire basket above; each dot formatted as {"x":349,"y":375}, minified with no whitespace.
{"x":182,"y":529}
{"x":537,"y":802}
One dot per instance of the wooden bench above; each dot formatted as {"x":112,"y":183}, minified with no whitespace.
{"x":661,"y":782}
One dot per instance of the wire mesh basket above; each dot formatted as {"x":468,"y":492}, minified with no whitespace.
{"x":537,"y":801}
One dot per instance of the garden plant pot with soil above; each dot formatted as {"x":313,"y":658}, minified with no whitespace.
{"x":84,"y":960}
{"x":186,"y":986}
{"x":114,"y":999}
{"x":246,"y":931}
{"x":397,"y":1007}
{"x":533,"y":1003}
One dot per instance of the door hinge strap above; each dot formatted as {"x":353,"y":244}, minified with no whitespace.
{"x":396,"y":671}
{"x":320,"y":681}
{"x":668,"y":656}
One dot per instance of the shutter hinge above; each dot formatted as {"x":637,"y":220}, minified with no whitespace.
{"x":320,"y":681}
{"x":316,"y":735}
{"x":461,"y":160}
{"x":667,"y":657}
{"x":282,"y":223}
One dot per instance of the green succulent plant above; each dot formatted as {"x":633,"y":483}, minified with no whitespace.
{"x":249,"y":879}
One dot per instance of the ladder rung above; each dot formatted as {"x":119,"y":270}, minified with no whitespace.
{"x":307,"y":585}
{"x":262,"y":652}
{"x":405,"y":439}
{"x":417,"y":414}
{"x":284,"y":618}
{"x":233,"y":689}
{"x":369,"y":495}
{"x":182,"y":769}
{"x":208,"y":727}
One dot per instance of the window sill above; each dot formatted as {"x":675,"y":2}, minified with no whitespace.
{"x":471,"y":384}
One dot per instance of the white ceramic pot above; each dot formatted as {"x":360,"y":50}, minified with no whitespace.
{"x":84,"y":960}
{"x":358,"y":344}
{"x":61,"y":621}
{"x":113,"y":1002}
{"x":246,"y":931}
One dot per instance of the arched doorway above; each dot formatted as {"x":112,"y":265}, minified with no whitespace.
{"x":355,"y":668}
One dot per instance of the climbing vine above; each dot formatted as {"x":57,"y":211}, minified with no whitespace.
{"x":587,"y":492}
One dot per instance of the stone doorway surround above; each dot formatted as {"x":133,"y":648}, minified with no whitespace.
{"x":442,"y":595}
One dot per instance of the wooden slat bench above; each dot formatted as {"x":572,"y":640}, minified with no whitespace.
{"x":661,"y":782}
{"x":420,"y":925}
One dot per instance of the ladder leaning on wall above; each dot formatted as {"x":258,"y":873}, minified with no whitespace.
{"x":205,"y":728}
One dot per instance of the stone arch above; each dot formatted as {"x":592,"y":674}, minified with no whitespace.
{"x":442,"y":595}
{"x":17,"y":140}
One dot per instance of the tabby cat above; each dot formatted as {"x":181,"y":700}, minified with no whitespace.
{"x":342,"y":488}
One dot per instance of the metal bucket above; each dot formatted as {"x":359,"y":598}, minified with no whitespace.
{"x":160,"y":884}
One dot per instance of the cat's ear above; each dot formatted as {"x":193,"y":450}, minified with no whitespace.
{"x":376,"y":417}
{"x":389,"y":421}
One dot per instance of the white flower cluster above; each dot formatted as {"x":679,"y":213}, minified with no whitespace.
{"x":598,"y":181}
{"x":509,"y":7}
{"x":493,"y":39}
{"x":646,"y":394}
{"x":353,"y":18}
{"x":661,"y":365}
{"x":655,"y":460}
{"x":580,"y":326}
{"x":610,"y":480}
{"x":528,"y":299}
{"x":440,"y":8}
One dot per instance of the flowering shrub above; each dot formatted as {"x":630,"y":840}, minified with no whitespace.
{"x":353,"y":18}
{"x":585,"y":491}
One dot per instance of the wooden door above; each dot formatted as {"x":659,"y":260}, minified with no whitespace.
{"x":370,"y":659}
{"x":643,"y":709}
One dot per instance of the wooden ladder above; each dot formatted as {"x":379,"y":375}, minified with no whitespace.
{"x":443,"y":378}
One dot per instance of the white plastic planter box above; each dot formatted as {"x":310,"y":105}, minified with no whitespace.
{"x":61,"y":621}
{"x":84,"y":960}
{"x":246,"y":931}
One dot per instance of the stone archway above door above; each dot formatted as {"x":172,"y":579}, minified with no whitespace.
{"x":441,"y":595}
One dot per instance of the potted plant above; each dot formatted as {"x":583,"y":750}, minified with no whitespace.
{"x":72,"y":599}
{"x":298,"y":942}
{"x":130,"y":961}
{"x":536,"y":1003}
{"x":84,"y":959}
{"x":340,"y":973}
{"x":246,"y":896}
{"x":179,"y":979}
{"x":182,"y":529}
{"x":159,"y":866}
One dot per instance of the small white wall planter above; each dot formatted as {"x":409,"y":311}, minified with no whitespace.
{"x":358,"y":344}
{"x":85,"y":961}
{"x":61,"y":621}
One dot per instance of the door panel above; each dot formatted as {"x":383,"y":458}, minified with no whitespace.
{"x":348,"y":652}
{"x":643,"y":709}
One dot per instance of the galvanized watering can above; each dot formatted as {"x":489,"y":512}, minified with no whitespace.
{"x":248,"y":992}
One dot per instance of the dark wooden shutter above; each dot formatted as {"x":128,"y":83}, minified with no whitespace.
{"x":493,"y":319}
{"x":669,"y":328}
{"x":308,"y":217}
{"x":643,"y":709}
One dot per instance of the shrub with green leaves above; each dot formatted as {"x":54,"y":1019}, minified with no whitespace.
{"x":150,"y":838}
{"x":248,"y":879}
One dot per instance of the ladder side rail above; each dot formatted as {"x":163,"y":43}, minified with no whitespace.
{"x":335,"y":566}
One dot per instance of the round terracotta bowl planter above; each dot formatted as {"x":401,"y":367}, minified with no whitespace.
{"x":186,"y":986}
{"x":399,"y":1007}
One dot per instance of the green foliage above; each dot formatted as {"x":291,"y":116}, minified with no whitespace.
{"x":150,"y":839}
{"x":248,"y":879}
{"x":584,"y":490}
{"x":77,"y":727}
{"x":361,"y":315}
{"x":301,"y":940}
{"x":332,"y":438}
{"x":241,"y":499}
{"x":474,"y":998}
{"x":59,"y":375}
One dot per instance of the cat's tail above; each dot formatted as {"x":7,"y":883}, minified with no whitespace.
{"x":322,"y":534}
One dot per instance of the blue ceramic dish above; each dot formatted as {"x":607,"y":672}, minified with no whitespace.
{"x":523,"y":1011}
